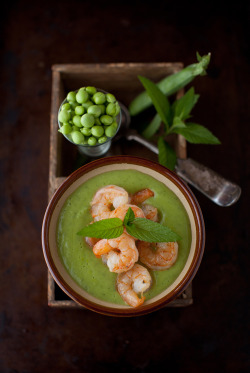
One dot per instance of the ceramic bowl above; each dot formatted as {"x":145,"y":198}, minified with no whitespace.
{"x":78,"y":178}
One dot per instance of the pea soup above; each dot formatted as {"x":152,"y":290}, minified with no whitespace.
{"x":89,"y":271}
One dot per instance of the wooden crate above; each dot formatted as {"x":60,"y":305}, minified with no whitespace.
{"x":120,"y":79}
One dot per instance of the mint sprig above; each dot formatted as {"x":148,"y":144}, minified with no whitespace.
{"x":140,"y":228}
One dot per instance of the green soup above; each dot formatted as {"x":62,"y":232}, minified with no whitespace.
{"x":90,"y":272}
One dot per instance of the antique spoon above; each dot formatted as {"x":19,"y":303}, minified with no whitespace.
{"x":219,"y":190}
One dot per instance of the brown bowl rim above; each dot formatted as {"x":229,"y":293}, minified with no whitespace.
{"x":200,"y":239}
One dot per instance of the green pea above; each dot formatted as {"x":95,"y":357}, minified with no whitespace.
{"x":71,"y":96}
{"x":111,"y":109}
{"x":106,"y":120}
{"x":110,"y":97}
{"x":102,"y":139}
{"x":118,"y":109}
{"x":75,"y":128}
{"x":99,"y":98}
{"x":77,"y":137}
{"x":115,"y":124}
{"x":91,"y":90}
{"x":87,"y":104}
{"x":85,"y":131}
{"x":97,"y":131}
{"x":66,"y":106}
{"x":98,"y":122}
{"x":77,"y":121}
{"x":73,"y":104}
{"x":110,"y":131}
{"x":94,"y":110}
{"x":79,"y":110}
{"x":103,"y":108}
{"x":92,"y":141}
{"x":65,"y":129}
{"x":82,"y":96}
{"x":64,"y":116}
{"x":88,"y":120}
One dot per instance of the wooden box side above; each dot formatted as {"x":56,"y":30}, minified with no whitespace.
{"x":120,"y":79}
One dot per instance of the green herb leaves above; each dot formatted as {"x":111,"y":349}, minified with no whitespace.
{"x":167,"y":156}
{"x":159,"y":100}
{"x":182,"y":107}
{"x":197,"y":134}
{"x":106,"y":228}
{"x":150,"y":231}
{"x":141,"y":228}
{"x":175,"y":116}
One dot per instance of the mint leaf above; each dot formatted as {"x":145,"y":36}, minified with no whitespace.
{"x":182,"y":107}
{"x":167,"y":156}
{"x":158,"y":98}
{"x":153,"y":126}
{"x":106,"y":228}
{"x":197,"y":134}
{"x":150,"y":231}
{"x":177,"y":123}
{"x":129,"y":217}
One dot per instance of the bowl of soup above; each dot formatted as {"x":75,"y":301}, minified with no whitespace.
{"x":151,"y":274}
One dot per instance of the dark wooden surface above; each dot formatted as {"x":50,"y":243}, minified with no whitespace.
{"x":211,"y":335}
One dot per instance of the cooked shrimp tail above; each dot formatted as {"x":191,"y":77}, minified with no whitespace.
{"x":91,"y":241}
{"x":101,"y":247}
{"x":133,"y":282}
{"x":150,"y":212}
{"x":141,"y":196}
{"x":158,"y":256}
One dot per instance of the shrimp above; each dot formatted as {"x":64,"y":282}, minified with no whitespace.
{"x":120,"y":253}
{"x":106,"y":199}
{"x":129,"y":284}
{"x":141,"y":196}
{"x":91,"y":241}
{"x":121,"y":211}
{"x":150,"y":212}
{"x":162,"y":258}
{"x":100,"y":211}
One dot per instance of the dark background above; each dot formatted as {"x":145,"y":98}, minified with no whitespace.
{"x":212,"y":335}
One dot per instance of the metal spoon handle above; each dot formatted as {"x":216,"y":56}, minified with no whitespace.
{"x":133,"y":135}
{"x":212,"y":185}
{"x":221,"y":191}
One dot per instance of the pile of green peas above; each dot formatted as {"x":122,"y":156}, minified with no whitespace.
{"x":88,"y":116}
